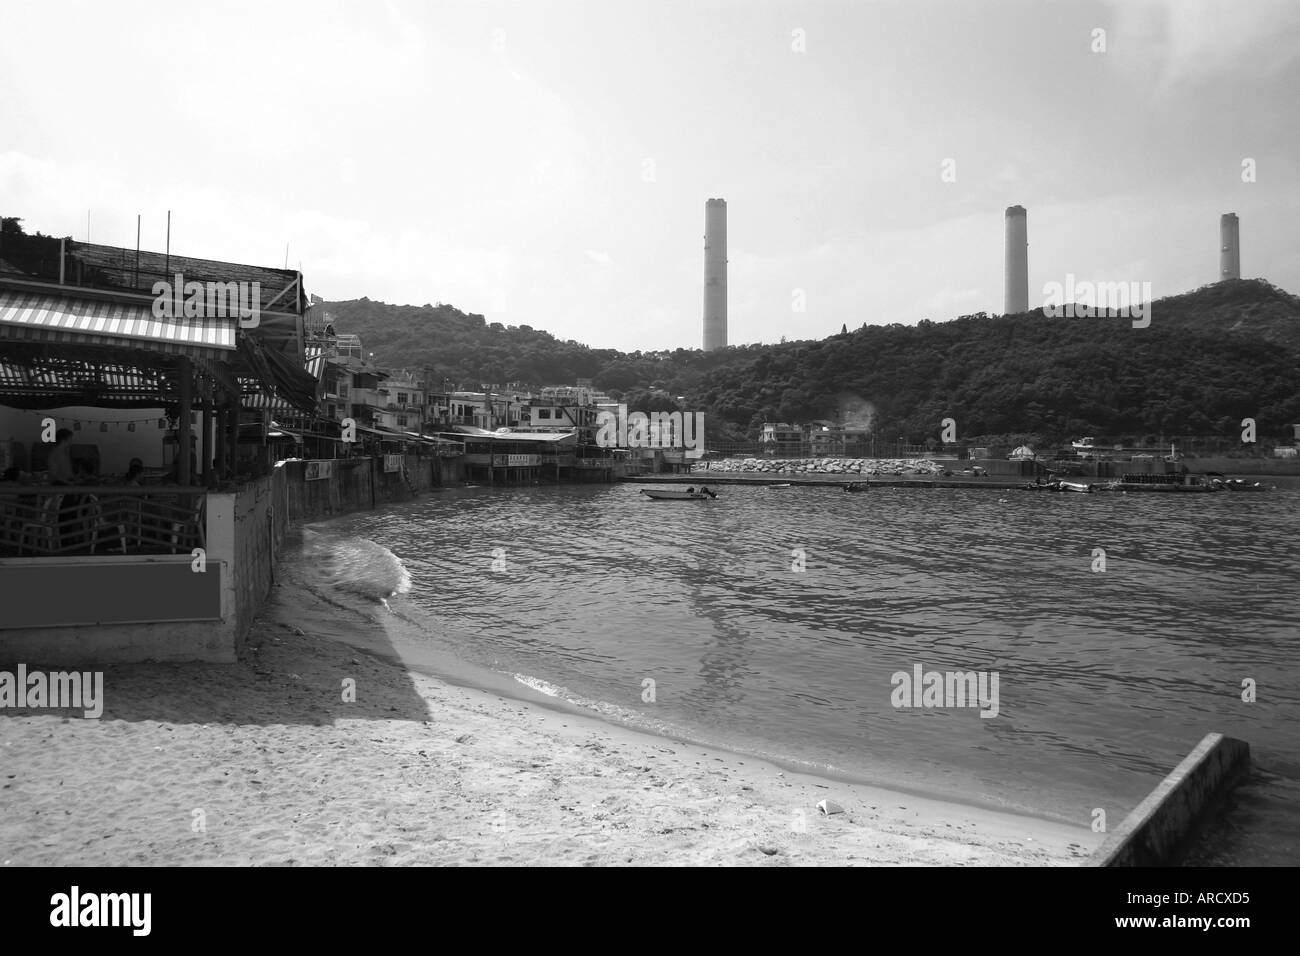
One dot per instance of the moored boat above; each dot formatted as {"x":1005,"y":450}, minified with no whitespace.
{"x":678,"y":494}
{"x":1078,"y":486}
{"x":1057,"y":485}
{"x":1167,"y":483}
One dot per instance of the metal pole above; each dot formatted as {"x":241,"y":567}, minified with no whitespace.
{"x":183,"y":433}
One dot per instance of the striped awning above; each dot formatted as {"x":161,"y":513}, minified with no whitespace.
{"x":316,"y":362}
{"x":41,"y":317}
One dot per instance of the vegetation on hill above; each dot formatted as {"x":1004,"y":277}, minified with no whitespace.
{"x":1210,"y":358}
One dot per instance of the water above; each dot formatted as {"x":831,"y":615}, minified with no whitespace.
{"x":1106,"y":679}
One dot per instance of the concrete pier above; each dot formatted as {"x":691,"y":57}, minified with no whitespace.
{"x":1162,"y":825}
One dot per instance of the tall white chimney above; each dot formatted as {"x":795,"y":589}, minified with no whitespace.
{"x":1016,"y":296}
{"x":715,"y":274}
{"x":1229,"y":247}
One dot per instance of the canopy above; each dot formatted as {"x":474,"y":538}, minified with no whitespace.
{"x":42,"y":317}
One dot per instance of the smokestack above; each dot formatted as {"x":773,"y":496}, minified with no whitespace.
{"x":1229,"y":247}
{"x":715,"y":274}
{"x":1016,"y":295}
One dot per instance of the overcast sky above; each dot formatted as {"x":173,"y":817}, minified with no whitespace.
{"x":547,"y":163}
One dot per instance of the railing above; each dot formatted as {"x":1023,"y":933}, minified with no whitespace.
{"x":52,"y":261}
{"x":53,"y":520}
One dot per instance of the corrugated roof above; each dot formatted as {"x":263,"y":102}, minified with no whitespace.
{"x":36,"y":316}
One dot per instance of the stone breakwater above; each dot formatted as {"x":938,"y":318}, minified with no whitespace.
{"x":920,"y":467}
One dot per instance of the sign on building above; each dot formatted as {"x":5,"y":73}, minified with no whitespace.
{"x":316,"y":470}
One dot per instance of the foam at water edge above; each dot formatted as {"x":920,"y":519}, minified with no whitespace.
{"x":363,"y":567}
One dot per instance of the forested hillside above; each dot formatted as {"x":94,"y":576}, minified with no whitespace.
{"x":1209,"y":359}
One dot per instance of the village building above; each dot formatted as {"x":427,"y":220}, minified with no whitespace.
{"x":158,"y":545}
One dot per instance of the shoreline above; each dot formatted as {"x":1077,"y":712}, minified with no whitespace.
{"x":424,"y":658}
{"x":424,"y":769}
{"x":824,"y":480}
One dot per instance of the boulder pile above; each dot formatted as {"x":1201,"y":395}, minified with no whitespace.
{"x":917,"y":467}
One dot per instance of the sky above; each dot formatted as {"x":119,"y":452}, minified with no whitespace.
{"x":547,"y":163}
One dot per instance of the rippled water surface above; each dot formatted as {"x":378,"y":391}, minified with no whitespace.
{"x":1106,"y":679}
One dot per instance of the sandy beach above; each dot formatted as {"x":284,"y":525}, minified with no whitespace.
{"x":264,"y":763}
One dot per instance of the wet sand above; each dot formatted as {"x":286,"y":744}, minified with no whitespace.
{"x":264,"y":762}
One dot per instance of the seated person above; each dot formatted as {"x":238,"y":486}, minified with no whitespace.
{"x":134,"y":471}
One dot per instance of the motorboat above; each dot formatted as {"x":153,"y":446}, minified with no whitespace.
{"x":678,"y":494}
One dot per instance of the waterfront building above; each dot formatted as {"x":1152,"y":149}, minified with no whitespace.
{"x":163,"y":566}
{"x":781,"y":438}
{"x":560,"y":407}
{"x":400,"y":402}
{"x":488,"y":409}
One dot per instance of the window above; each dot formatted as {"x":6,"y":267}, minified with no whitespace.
{"x":401,"y":421}
{"x":543,"y":413}
{"x":343,"y":388}
{"x":401,"y":398}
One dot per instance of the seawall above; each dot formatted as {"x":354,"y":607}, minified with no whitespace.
{"x":199,"y":603}
{"x":1162,"y":825}
{"x":338,"y":486}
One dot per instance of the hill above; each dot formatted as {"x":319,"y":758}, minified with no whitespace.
{"x":1210,"y":358}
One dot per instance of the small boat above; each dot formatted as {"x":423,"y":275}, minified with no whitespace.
{"x":1058,"y":485}
{"x":1239,"y":484}
{"x":1073,"y":486}
{"x":678,"y":494}
{"x":856,"y":486}
{"x":785,"y":484}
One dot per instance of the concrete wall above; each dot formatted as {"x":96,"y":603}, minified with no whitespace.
{"x":1234,"y":467}
{"x":1161,"y":826}
{"x":244,"y":532}
{"x":259,"y":521}
{"x":74,"y":645}
{"x":357,"y":484}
